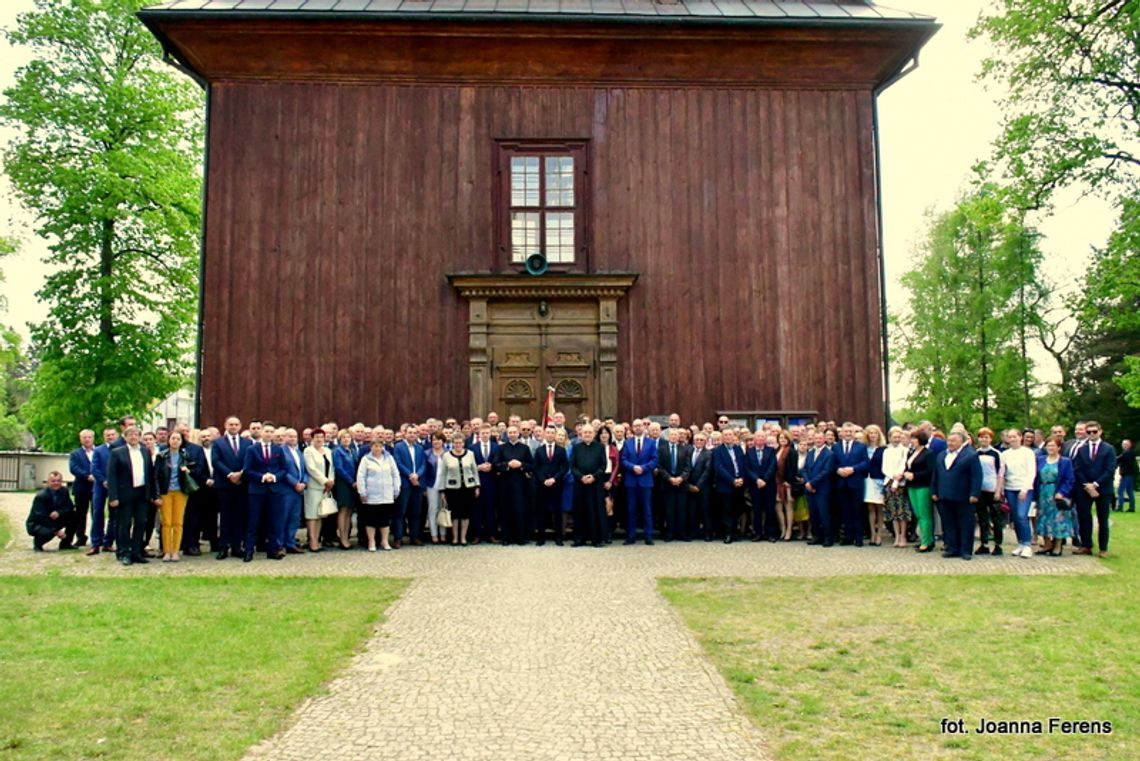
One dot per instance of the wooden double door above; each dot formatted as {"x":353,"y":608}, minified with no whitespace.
{"x":534,"y":346}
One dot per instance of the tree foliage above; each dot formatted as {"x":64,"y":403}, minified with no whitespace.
{"x":107,"y":158}
{"x":972,"y":293}
{"x":1072,"y":68}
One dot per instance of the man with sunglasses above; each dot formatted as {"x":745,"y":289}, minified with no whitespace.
{"x":1094,"y":466}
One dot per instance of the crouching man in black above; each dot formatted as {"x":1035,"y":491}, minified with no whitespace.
{"x":51,"y":515}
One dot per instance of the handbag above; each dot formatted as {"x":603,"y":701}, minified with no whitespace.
{"x":443,"y":515}
{"x":189,"y":484}
{"x":327,"y":507}
{"x":1062,"y":502}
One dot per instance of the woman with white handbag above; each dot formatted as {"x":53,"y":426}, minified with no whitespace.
{"x":319,"y":501}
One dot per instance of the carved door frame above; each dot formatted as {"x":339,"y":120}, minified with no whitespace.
{"x":478,"y":290}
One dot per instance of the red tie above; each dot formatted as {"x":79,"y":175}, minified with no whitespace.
{"x":550,"y":452}
{"x":266,"y":452}
{"x":1094,"y":451}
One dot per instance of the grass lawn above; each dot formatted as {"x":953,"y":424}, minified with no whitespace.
{"x":187,"y":669}
{"x":5,"y":532}
{"x":866,"y":667}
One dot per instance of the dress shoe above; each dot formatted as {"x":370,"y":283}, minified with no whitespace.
{"x":845,"y":543}
{"x":540,"y":543}
{"x":1102,"y":554}
{"x":396,"y":544}
{"x":772,"y":540}
{"x":82,"y":542}
{"x":493,"y":540}
{"x":997,"y":553}
{"x":574,"y":544}
{"x":829,"y":544}
{"x":475,"y":540}
{"x":949,"y":554}
{"x":194,"y":552}
{"x":728,"y":540}
{"x":858,"y":543}
{"x":757,"y":538}
{"x":64,"y":546}
{"x":37,"y":548}
{"x":983,"y":550}
{"x":649,"y":542}
{"x":294,"y":551}
{"x":247,"y":557}
{"x":597,"y":544}
{"x":94,"y":551}
{"x":417,"y":543}
{"x":967,"y":557}
{"x":147,"y":554}
{"x":125,"y":561}
{"x":140,"y":559}
{"x":628,"y":541}
{"x":558,"y":542}
{"x":222,"y":554}
{"x":815,"y":542}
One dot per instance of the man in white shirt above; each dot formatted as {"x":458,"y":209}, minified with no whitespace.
{"x":132,"y":490}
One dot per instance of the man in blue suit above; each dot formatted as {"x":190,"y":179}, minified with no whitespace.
{"x":229,"y":453}
{"x":264,"y":472}
{"x":82,"y":488}
{"x":955,"y":486}
{"x":761,"y":465}
{"x":102,"y":537}
{"x":551,"y":464}
{"x":818,"y":473}
{"x":730,"y":473}
{"x":638,"y":461}
{"x":851,"y":466}
{"x":1094,"y":466}
{"x":412,"y":464}
{"x":483,"y":524}
{"x":295,"y":478}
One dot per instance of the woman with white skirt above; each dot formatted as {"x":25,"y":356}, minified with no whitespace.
{"x":873,"y":484}
{"x":433,"y":487}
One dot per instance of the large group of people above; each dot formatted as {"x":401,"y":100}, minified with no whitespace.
{"x":251,"y":489}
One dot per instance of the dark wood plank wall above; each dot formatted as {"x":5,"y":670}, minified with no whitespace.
{"x":336,"y":210}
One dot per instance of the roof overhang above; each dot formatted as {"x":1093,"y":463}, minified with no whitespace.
{"x":532,"y":48}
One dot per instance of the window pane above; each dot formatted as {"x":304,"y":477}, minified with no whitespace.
{"x":524,"y":180}
{"x":524,"y":235}
{"x":560,"y":237}
{"x":559,"y":180}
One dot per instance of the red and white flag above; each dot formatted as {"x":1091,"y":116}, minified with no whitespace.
{"x":548,"y":413}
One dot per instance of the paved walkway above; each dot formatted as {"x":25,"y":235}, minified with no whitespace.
{"x":532,"y":653}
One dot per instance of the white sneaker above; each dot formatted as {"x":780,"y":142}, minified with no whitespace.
{"x":1026,"y":552}
{"x":1017,"y":553}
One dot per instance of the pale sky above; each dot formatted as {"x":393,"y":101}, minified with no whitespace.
{"x":934,"y":125}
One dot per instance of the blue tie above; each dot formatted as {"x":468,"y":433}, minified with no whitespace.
{"x":673,"y":455}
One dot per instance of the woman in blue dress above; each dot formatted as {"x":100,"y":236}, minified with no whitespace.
{"x":1054,"y":490}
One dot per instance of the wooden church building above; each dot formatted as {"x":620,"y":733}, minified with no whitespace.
{"x":443,"y":207}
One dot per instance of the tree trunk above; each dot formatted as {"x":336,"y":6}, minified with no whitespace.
{"x":106,"y":293}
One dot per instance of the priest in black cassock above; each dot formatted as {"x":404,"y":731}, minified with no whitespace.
{"x":588,"y":464}
{"x":514,"y":464}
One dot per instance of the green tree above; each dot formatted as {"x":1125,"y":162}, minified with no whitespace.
{"x":1108,"y":362}
{"x":107,"y":157}
{"x":974,"y":292}
{"x":1072,"y":68}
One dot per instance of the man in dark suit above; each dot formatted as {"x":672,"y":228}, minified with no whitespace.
{"x":700,"y":483}
{"x":133,"y":490}
{"x":82,"y":486}
{"x":51,"y":515}
{"x":412,"y":464}
{"x":264,"y":469}
{"x":851,"y":466}
{"x":207,"y":497}
{"x":955,"y":486}
{"x":729,"y":482}
{"x":484,"y":524}
{"x":103,"y":532}
{"x":550,"y":467}
{"x":514,"y":465}
{"x":638,"y":460}
{"x":1094,"y":466}
{"x":674,"y":462}
{"x":228,"y":455}
{"x":588,"y":464}
{"x":295,"y":476}
{"x":818,"y":473}
{"x":760,"y":461}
